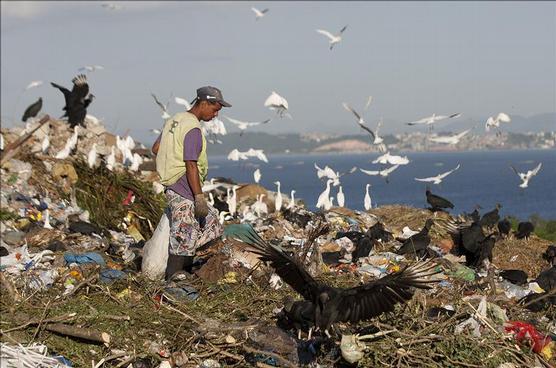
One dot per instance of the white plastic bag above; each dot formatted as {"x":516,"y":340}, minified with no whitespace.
{"x":155,"y":251}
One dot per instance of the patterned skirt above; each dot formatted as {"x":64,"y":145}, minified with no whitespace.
{"x":187,"y":233}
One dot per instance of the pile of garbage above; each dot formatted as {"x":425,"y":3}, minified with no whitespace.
{"x":82,"y":259}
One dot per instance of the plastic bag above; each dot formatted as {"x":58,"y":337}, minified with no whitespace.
{"x":155,"y":251}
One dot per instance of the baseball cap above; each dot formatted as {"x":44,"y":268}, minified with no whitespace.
{"x":209,"y":93}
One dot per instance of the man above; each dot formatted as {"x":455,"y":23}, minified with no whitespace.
{"x":181,"y":162}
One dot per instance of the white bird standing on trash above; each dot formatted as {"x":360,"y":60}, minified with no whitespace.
{"x":332,"y":39}
{"x":257,"y":176}
{"x":340,"y":197}
{"x":525,"y":177}
{"x":324,"y":197}
{"x":111,"y":159}
{"x":292,"y":200}
{"x":232,"y":201}
{"x":136,"y":162}
{"x":278,"y":200}
{"x":260,"y":206}
{"x":367,"y":201}
{"x":438,"y":178}
{"x":92,"y":156}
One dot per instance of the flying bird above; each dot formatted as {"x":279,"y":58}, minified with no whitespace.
{"x":91,"y":68}
{"x":369,"y":100}
{"x":376,"y":139}
{"x":259,"y":13}
{"x":112,"y":6}
{"x":242,"y":125}
{"x":32,"y":110}
{"x":429,"y":120}
{"x":387,"y":158}
{"x":277,"y":103}
{"x":333,"y":304}
{"x":33,"y":84}
{"x":384,"y":173}
{"x":183,"y":102}
{"x":452,"y":139}
{"x":77,"y":100}
{"x":495,"y":121}
{"x":332,"y":39}
{"x":525,"y":177}
{"x":163,"y":107}
{"x":437,"y":202}
{"x":156,"y":132}
{"x":438,"y":178}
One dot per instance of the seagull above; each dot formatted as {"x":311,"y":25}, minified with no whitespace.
{"x":32,"y":110}
{"x":257,"y":175}
{"x":111,"y":159}
{"x":92,"y":156}
{"x":369,"y":100}
{"x":340,"y":197}
{"x":324,"y":197}
{"x":34,"y":84}
{"x":433,"y":119}
{"x":156,"y":132}
{"x":259,"y":153}
{"x":525,"y":177}
{"x":278,"y":200}
{"x":242,"y":125}
{"x":384,"y":173}
{"x":91,"y":68}
{"x":163,"y":107}
{"x":495,"y":121}
{"x":452,"y":139}
{"x":367,"y":201}
{"x":235,"y":155}
{"x":278,"y":103}
{"x":292,"y":200}
{"x":438,"y":178}
{"x":387,"y":158}
{"x":183,"y":102}
{"x":327,"y":172}
{"x":376,"y":139}
{"x":259,"y":13}
{"x":333,"y":39}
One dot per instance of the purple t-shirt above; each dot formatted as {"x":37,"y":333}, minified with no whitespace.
{"x":192,"y":145}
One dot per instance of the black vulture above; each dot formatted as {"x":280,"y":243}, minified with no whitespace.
{"x":491,"y":218}
{"x":470,"y":241}
{"x":550,"y":255}
{"x":341,"y":305}
{"x":363,"y":244}
{"x":504,"y":227}
{"x":417,"y":244}
{"x":299,"y":314}
{"x":437,"y":203}
{"x":77,"y":100}
{"x":484,"y":252}
{"x":378,"y":232}
{"x":517,"y":277}
{"x":524,"y":230}
{"x":32,"y":110}
{"x":547,"y":279}
{"x":475,"y":216}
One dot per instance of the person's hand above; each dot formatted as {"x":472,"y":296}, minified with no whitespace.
{"x":201,"y":206}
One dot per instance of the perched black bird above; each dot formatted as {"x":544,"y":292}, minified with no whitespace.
{"x":517,"y":277}
{"x":469,"y":240}
{"x":475,"y":215}
{"x":300,"y":314}
{"x":417,"y":244}
{"x":524,"y":230}
{"x":504,"y":227}
{"x":341,"y":305}
{"x":491,"y":218}
{"x":77,"y":100}
{"x":547,"y":279}
{"x":437,"y":203}
{"x":483,"y":252}
{"x":363,"y":244}
{"x":378,"y":232}
{"x":32,"y":110}
{"x":550,"y":255}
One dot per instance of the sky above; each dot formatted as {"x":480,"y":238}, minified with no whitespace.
{"x":414,"y":58}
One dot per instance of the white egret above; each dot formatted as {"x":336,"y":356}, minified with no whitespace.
{"x":340,"y":197}
{"x":438,"y":178}
{"x":367,"y":201}
{"x":92,"y":156}
{"x":292,"y":200}
{"x":324,"y":197}
{"x":257,"y":176}
{"x":278,"y":199}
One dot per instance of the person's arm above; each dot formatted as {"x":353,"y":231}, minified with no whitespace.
{"x":192,"y":146}
{"x":192,"y":175}
{"x":156,"y":145}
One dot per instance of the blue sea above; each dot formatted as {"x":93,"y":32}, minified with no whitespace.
{"x":484,"y":178}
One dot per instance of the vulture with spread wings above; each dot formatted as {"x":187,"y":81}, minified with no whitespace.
{"x":336,"y":304}
{"x":77,"y":100}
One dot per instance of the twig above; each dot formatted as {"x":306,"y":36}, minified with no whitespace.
{"x":79,"y":332}
{"x":33,"y":322}
{"x":42,"y":319}
{"x":83,"y":283}
{"x":180,"y":312}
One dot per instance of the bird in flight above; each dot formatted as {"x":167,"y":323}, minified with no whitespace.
{"x":384,"y":173}
{"x":278,"y":103}
{"x":438,"y":178}
{"x":494,"y":122}
{"x":183,"y":102}
{"x":77,"y":100}
{"x":91,"y":68}
{"x":525,"y":177}
{"x":33,"y":84}
{"x":452,"y":139}
{"x":332,"y":39}
{"x":259,"y":13}
{"x":331,"y":304}
{"x":387,"y":158}
{"x":433,"y":119}
{"x":376,"y":139}
{"x":244,"y":124}
{"x":163,"y":107}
